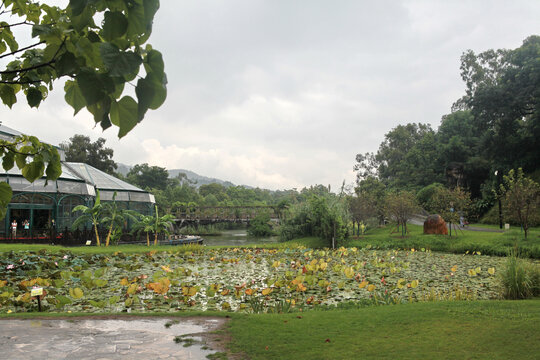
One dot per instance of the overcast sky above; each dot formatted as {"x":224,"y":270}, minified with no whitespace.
{"x":283,"y":94}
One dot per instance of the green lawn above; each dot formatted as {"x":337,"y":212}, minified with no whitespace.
{"x":488,"y":243}
{"x":444,"y":330}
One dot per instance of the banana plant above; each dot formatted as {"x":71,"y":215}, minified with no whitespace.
{"x":115,"y":217}
{"x":162,"y":224}
{"x":145,"y":224}
{"x":89,"y":214}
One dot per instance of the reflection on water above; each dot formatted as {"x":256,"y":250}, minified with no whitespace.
{"x":237,"y":237}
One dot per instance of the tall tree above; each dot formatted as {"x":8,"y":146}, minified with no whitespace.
{"x":521,"y":198}
{"x":148,"y":177}
{"x":81,"y":149}
{"x":502,"y":93}
{"x":401,"y":206}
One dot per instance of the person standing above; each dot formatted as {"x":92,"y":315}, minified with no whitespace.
{"x":26,"y":225}
{"x":14,"y":228}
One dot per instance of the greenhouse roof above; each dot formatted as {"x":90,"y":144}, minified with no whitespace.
{"x":100,"y":179}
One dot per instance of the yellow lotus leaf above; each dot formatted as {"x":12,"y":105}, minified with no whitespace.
{"x":124,"y":282}
{"x":478,"y":270}
{"x":301,"y":287}
{"x":491,"y":271}
{"x":371,"y":287}
{"x":414,"y":283}
{"x":26,"y":297}
{"x":132,"y":289}
{"x":276,"y":264}
{"x":249,"y":291}
{"x":266,"y":291}
{"x":349,"y":272}
{"x":454,"y":268}
{"x":225,"y":292}
{"x":225,"y":306}
{"x":3,"y":283}
{"x":76,"y":293}
{"x":363,"y":284}
{"x":166,"y":268}
{"x":400,"y":283}
{"x":323,"y":266}
{"x":313,"y":262}
{"x":189,"y":290}
{"x":471,"y":272}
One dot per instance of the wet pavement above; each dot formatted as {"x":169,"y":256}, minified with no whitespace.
{"x":147,"y":338}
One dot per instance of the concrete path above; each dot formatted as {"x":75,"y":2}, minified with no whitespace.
{"x":81,"y":339}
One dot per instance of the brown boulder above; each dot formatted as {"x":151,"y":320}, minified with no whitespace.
{"x":435,"y":224}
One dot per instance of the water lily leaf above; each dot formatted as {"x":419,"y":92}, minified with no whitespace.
{"x":414,"y":283}
{"x":266,"y":291}
{"x":371,"y":287}
{"x":363,"y":284}
{"x":491,"y":271}
{"x":400,"y":283}
{"x":76,"y":293}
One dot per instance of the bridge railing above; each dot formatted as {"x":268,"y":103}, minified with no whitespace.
{"x":225,"y":212}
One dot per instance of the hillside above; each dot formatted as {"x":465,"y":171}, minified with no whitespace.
{"x":194,"y":177}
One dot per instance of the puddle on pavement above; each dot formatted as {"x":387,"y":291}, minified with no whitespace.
{"x":133,"y":338}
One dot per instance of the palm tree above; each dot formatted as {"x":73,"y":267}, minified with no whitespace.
{"x":89,"y":214}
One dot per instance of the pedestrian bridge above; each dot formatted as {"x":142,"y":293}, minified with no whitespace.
{"x":214,"y":214}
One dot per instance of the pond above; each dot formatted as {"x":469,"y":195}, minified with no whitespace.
{"x":238,"y":237}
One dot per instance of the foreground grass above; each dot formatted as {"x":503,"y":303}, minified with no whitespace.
{"x":488,"y":243}
{"x":444,"y":330}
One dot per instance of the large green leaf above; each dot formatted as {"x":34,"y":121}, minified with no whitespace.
{"x":154,"y":62}
{"x":5,"y":197}
{"x":151,"y":93}
{"x":124,"y":114}
{"x":74,"y":96}
{"x":90,"y":86}
{"x":33,"y":170}
{"x":34,"y":97}
{"x":7,"y":94}
{"x":77,"y":6}
{"x":114,"y":25}
{"x":118,"y":62}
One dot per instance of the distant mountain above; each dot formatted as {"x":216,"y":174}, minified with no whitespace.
{"x":198,"y":179}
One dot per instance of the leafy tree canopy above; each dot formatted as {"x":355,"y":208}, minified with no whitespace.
{"x":97,"y":45}
{"x":148,"y":177}
{"x":81,"y":149}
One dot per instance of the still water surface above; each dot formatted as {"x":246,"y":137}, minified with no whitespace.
{"x":237,"y":237}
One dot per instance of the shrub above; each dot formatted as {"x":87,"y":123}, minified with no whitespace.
{"x":520,"y":279}
{"x":260,"y":226}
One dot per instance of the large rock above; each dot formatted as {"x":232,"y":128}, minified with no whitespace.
{"x":435,"y":224}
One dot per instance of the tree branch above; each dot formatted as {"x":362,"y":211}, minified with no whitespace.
{"x":53,"y":60}
{"x":25,"y":48}
{"x":20,"y":82}
{"x":11,"y":25}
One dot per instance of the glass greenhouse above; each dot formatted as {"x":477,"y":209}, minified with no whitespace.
{"x":38,"y":207}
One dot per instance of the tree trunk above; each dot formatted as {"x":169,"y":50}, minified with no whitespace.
{"x":147,"y":239}
{"x":97,"y":235}
{"x":109,"y":235}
